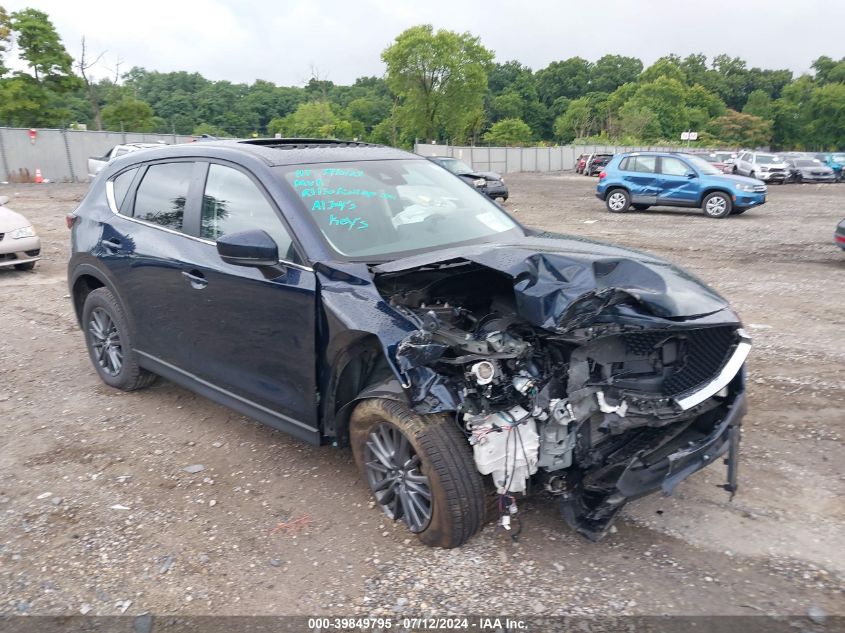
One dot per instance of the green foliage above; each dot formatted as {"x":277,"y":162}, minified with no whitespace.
{"x":509,"y":132}
{"x":740,"y":129}
{"x":129,"y":114}
{"x":440,"y":85}
{"x":569,"y":78}
{"x":440,"y":79}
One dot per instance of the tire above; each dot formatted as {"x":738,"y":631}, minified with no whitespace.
{"x":641,"y":207}
{"x":105,"y":328}
{"x":25,"y":266}
{"x":456,"y":508}
{"x":618,"y":201}
{"x":717,"y":205}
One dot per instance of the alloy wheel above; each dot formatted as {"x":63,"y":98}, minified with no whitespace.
{"x":393,"y":472}
{"x":105,"y":339}
{"x":716,"y":205}
{"x":617,"y":201}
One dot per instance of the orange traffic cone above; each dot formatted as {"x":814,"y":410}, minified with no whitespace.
{"x":38,"y":178}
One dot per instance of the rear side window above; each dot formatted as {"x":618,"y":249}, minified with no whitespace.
{"x":162,"y":194}
{"x":121,"y":184}
{"x":645,"y":164}
{"x":232,"y":202}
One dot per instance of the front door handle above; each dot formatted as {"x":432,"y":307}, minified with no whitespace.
{"x":112,"y":244}
{"x":196,"y":279}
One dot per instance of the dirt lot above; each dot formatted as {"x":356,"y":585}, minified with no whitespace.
{"x":98,"y":515}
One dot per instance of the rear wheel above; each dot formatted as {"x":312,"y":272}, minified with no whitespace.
{"x":618,"y":201}
{"x":109,"y":343}
{"x":420,"y":470}
{"x":641,"y":207}
{"x":717,"y":205}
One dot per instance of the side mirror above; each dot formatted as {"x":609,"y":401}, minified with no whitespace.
{"x":248,"y":248}
{"x":691,"y":175}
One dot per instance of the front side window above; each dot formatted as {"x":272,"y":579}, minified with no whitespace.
{"x":232,"y":202}
{"x":383,"y":209}
{"x":162,"y":194}
{"x":673,"y":166}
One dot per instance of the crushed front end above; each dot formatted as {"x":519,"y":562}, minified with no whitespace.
{"x":596,"y":396}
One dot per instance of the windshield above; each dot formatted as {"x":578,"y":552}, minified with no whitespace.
{"x":456,"y":166}
{"x":767,"y":159}
{"x":703,"y":166}
{"x":378,"y":210}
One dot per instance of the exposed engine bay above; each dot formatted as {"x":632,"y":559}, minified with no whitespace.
{"x":609,"y":403}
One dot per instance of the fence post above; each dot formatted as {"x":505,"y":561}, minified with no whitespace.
{"x":6,"y":167}
{"x":67,"y":153}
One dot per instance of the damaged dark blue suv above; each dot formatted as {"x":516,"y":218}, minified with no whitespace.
{"x":361,"y":296}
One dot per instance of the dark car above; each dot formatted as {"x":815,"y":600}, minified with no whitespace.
{"x":597,"y":163}
{"x":489,"y":183}
{"x":839,"y":235}
{"x":358,"y":295}
{"x":808,"y":170}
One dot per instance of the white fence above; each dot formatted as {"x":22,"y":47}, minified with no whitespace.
{"x":507,"y":160}
{"x":62,"y":155}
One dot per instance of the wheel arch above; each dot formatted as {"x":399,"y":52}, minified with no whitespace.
{"x":713,"y":189}
{"x":359,"y":370}
{"x":84,"y":280}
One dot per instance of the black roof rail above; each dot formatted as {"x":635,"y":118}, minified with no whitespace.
{"x":300,"y":143}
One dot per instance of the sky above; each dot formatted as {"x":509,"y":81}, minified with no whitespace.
{"x":289,"y":41}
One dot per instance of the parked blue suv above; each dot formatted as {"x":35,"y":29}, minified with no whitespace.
{"x":640,"y":180}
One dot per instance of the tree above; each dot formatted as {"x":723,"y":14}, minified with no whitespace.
{"x":638,"y":122}
{"x":759,"y":104}
{"x":509,"y":132}
{"x":737,"y":128}
{"x":666,"y":99}
{"x":827,"y":113}
{"x":440,"y":79}
{"x":568,"y":78}
{"x":612,"y":71}
{"x":507,"y":106}
{"x":84,"y":65}
{"x":575,"y":122}
{"x":668,"y":66}
{"x":5,"y":37}
{"x":38,"y":97}
{"x":129,"y":114}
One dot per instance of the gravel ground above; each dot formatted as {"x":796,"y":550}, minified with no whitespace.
{"x":160,"y":501}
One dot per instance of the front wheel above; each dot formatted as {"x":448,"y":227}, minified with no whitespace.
{"x":618,"y":201}
{"x":717,"y":205}
{"x":420,"y":471}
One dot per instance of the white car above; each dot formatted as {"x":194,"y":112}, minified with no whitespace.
{"x":19,"y":245}
{"x":761,"y":165}
{"x":96,"y":163}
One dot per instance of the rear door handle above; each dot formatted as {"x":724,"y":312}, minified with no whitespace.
{"x":196,"y":279}
{"x":112,"y":245}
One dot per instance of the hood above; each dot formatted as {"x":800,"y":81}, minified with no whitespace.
{"x":562,"y":282}
{"x":822,"y":168}
{"x":739,"y":179}
{"x":487,"y":175}
{"x":9,"y":220}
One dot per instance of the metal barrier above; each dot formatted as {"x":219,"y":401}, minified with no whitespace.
{"x":62,"y":155}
